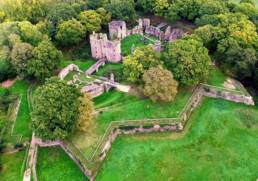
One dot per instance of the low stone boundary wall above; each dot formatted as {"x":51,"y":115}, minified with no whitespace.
{"x":117,"y":128}
{"x":234,"y":96}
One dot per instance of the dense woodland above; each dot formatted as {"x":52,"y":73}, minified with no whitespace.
{"x":35,"y":35}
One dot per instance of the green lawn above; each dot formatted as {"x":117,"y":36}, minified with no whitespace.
{"x":54,"y":164}
{"x":135,"y":108}
{"x":221,"y":144}
{"x":109,"y":68}
{"x":23,"y":121}
{"x":217,"y":78}
{"x":135,"y":40}
{"x":110,"y":98}
{"x":126,"y":108}
{"x":83,"y":65}
{"x":12,"y":166}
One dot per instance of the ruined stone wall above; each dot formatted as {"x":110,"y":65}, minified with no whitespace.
{"x":117,"y":30}
{"x":227,"y":95}
{"x":101,"y":48}
{"x":67,"y":70}
{"x":113,"y":51}
{"x":172,"y":34}
{"x":97,"y":43}
{"x":154,"y":31}
{"x":94,"y":89}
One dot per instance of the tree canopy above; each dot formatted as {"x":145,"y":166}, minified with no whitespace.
{"x":46,"y":59}
{"x":142,"y":59}
{"x":188,"y":60}
{"x":70,"y":32}
{"x":159,"y":84}
{"x":55,"y":109}
{"x":91,"y":20}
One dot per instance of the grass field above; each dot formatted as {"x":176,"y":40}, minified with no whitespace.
{"x":135,"y":108}
{"x":54,"y":164}
{"x":125,"y":107}
{"x":221,"y":144}
{"x":12,"y":166}
{"x":23,"y":121}
{"x":109,"y":68}
{"x":135,"y":40}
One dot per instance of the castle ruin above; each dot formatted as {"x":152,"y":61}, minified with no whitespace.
{"x":110,"y":49}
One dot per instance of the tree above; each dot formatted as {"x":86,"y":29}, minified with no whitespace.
{"x":46,"y":27}
{"x":104,"y":15}
{"x":6,"y":69}
{"x":95,"y":4}
{"x":91,"y":20}
{"x":60,"y":12}
{"x":159,"y":84}
{"x":20,"y":56}
{"x":2,"y":16}
{"x":146,"y":5}
{"x":46,"y":59}
{"x":142,"y":59}
{"x":160,"y":7}
{"x":192,"y":9}
{"x":188,"y":60}
{"x":6,"y":29}
{"x":29,"y":33}
{"x":86,"y":107}
{"x":237,"y":49}
{"x":70,"y":32}
{"x":249,"y":10}
{"x":247,"y":1}
{"x":55,"y":110}
{"x":237,"y":57}
{"x":122,"y":10}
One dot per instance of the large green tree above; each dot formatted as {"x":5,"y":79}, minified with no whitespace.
{"x":159,"y":84}
{"x":146,"y":5}
{"x":60,"y":12}
{"x":192,"y":9}
{"x":91,"y":20}
{"x":70,"y":32}
{"x":142,"y":59}
{"x":122,"y":10}
{"x":20,"y":56}
{"x":29,"y":33}
{"x":56,"y":108}
{"x":188,"y":60}
{"x":46,"y":59}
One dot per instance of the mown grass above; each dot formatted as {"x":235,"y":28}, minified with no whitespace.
{"x":136,"y":108}
{"x":126,"y":107}
{"x":135,"y":40}
{"x":23,"y":121}
{"x":216,"y":77}
{"x":83,"y":65}
{"x":218,"y":146}
{"x":109,"y":98}
{"x":109,"y":68}
{"x":12,"y":166}
{"x":54,"y":164}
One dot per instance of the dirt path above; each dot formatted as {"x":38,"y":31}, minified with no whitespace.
{"x":8,"y":83}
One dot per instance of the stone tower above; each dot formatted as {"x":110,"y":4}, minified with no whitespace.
{"x":97,"y":43}
{"x":117,"y":30}
{"x":101,"y":47}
